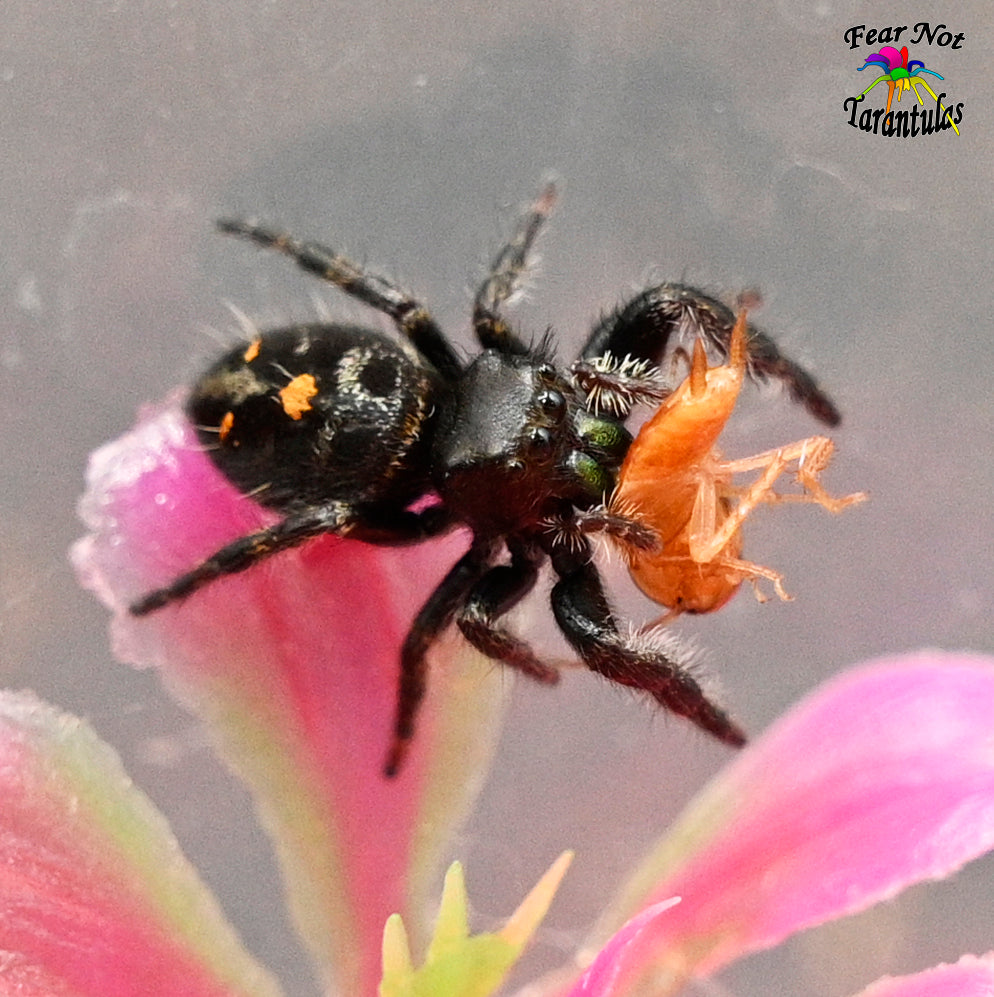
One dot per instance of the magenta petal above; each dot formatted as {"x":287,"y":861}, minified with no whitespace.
{"x":972,"y":976}
{"x":882,"y":778}
{"x":294,"y":665}
{"x":96,"y":899}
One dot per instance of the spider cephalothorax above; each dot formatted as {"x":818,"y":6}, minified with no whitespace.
{"x":341,"y":430}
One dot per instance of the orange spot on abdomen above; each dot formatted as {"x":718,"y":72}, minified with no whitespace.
{"x":296,"y":396}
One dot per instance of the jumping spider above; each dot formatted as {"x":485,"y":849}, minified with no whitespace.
{"x":342,"y":430}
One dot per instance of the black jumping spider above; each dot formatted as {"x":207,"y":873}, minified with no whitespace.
{"x":342,"y":430}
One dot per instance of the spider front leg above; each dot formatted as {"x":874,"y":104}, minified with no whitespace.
{"x":630,"y":532}
{"x":505,"y":277}
{"x":615,"y":385}
{"x":584,"y":616}
{"x":411,"y":317}
{"x":643,"y":329}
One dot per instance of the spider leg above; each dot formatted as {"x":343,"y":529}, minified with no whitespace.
{"x":410,"y":316}
{"x":615,"y":385}
{"x":584,"y":616}
{"x":496,"y":593}
{"x":336,"y":517}
{"x":395,"y":528}
{"x":913,"y":84}
{"x":629,"y":531}
{"x":642,"y":330}
{"x":432,"y":620}
{"x":505,"y":276}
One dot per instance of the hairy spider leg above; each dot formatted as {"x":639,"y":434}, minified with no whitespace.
{"x":432,"y":620}
{"x":387,"y":527}
{"x":494,"y":595}
{"x":627,"y":531}
{"x":474,"y":594}
{"x":411,"y":317}
{"x":642,"y":329}
{"x":615,"y":385}
{"x":584,"y":616}
{"x":506,"y":273}
{"x":335,"y":517}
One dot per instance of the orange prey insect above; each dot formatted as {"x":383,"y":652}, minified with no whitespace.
{"x":675,"y":482}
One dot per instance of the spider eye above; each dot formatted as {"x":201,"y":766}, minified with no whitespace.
{"x":539,"y":438}
{"x":552,"y":404}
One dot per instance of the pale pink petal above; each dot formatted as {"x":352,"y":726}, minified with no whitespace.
{"x":603,"y":974}
{"x":882,"y":778}
{"x":294,"y":665}
{"x":96,"y":899}
{"x":972,"y":976}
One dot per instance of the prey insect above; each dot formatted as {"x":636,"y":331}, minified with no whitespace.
{"x":674,"y":481}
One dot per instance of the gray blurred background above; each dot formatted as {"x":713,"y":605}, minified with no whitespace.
{"x":696,"y":141}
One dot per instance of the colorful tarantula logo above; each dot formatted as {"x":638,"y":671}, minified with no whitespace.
{"x":901,"y":75}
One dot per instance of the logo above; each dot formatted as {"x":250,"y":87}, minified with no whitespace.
{"x":903,"y":75}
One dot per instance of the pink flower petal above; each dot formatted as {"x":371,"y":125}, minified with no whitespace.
{"x":882,"y":778}
{"x":294,"y":664}
{"x":95,"y":896}
{"x":602,"y":975}
{"x":972,"y":976}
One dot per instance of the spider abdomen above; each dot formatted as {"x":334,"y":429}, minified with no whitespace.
{"x":317,"y":412}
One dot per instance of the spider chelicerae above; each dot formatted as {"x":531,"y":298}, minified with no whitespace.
{"x":341,"y":429}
